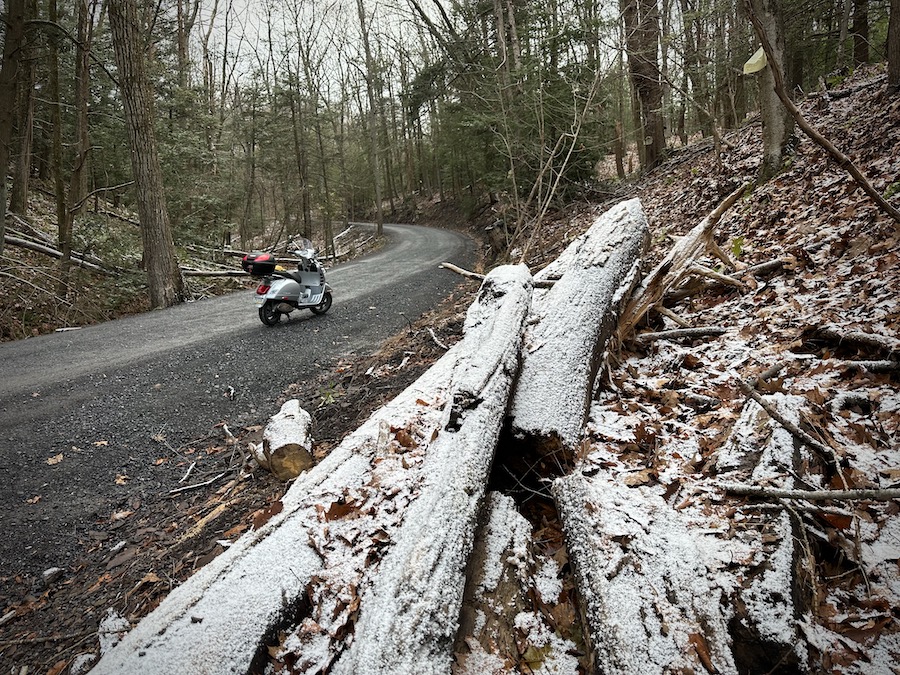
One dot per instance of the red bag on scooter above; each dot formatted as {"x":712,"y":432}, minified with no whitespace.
{"x":258,"y":264}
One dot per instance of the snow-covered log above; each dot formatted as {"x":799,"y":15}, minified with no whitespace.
{"x":408,"y":620}
{"x":651,"y":593}
{"x":286,"y":448}
{"x":571,"y":322}
{"x":768,"y":616}
{"x":500,"y":566}
{"x":292,"y":590}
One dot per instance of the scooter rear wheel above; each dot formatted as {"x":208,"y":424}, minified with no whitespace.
{"x":268,"y":314}
{"x":323,"y":306}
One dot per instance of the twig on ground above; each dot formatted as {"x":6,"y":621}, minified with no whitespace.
{"x":704,"y":271}
{"x":198,"y":485}
{"x":679,"y":333}
{"x":669,"y":314}
{"x":47,"y":638}
{"x":795,"y":431}
{"x":436,"y":341}
{"x":874,"y":495}
{"x":188,"y":472}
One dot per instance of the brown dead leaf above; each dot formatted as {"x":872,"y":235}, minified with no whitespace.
{"x":640,"y":477}
{"x":702,"y":648}
{"x":56,"y":459}
{"x":58,"y":667}
{"x":235,"y":531}
{"x":263,"y":516}
{"x":340,"y":509}
{"x":101,"y":581}
{"x":121,"y":515}
{"x":837,"y":521}
{"x":33,"y":500}
{"x":122,"y":478}
{"x":405,"y":439}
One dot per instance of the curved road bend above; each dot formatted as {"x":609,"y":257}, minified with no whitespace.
{"x":98,"y":395}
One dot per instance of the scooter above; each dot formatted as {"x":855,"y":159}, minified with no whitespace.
{"x":281,"y":291}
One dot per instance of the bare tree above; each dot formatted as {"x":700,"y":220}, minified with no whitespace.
{"x":374,"y":154}
{"x":641,"y":19}
{"x":893,"y":48}
{"x":18,"y":199}
{"x":12,"y":46}
{"x":777,"y":123}
{"x":163,"y":275}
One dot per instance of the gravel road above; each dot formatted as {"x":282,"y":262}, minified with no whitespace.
{"x":98,"y":396}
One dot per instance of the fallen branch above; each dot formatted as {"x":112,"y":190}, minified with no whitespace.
{"x":673,"y":267}
{"x":213,"y":273}
{"x":538,"y":283}
{"x":53,"y":253}
{"x":842,"y":160}
{"x":680,"y":333}
{"x":875,"y":495}
{"x":704,"y":271}
{"x":794,"y":430}
{"x":436,"y":341}
{"x":49,"y":638}
{"x":198,"y":485}
{"x":870,"y":341}
{"x":188,"y":472}
{"x":463,"y":272}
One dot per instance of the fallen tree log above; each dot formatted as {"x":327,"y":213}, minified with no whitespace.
{"x":213,"y":273}
{"x":53,"y":253}
{"x":570,"y":324}
{"x":651,"y":596}
{"x":347,"y":536}
{"x":408,"y":620}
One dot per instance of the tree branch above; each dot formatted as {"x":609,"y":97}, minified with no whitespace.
{"x":886,"y":494}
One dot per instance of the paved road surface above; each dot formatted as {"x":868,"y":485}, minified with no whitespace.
{"x":98,"y":395}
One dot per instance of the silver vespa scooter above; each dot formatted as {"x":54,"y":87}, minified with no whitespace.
{"x":282,"y":291}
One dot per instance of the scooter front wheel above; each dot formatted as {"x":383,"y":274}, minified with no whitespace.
{"x":323,"y":306}
{"x":268,"y":314}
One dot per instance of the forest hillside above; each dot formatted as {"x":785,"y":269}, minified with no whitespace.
{"x":696,"y":444}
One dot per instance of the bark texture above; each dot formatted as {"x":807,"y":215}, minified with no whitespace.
{"x":12,"y":46}
{"x":570,"y":325}
{"x":163,"y":275}
{"x":642,"y":44}
{"x":777,"y":123}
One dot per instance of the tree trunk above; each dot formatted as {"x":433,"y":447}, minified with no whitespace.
{"x":777,"y":123}
{"x":641,"y":18}
{"x":374,"y":152}
{"x":78,"y":179}
{"x":63,"y":222}
{"x":9,"y":71}
{"x":18,"y":200}
{"x":893,"y":48}
{"x":860,"y":30}
{"x":302,"y":162}
{"x":163,"y":275}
